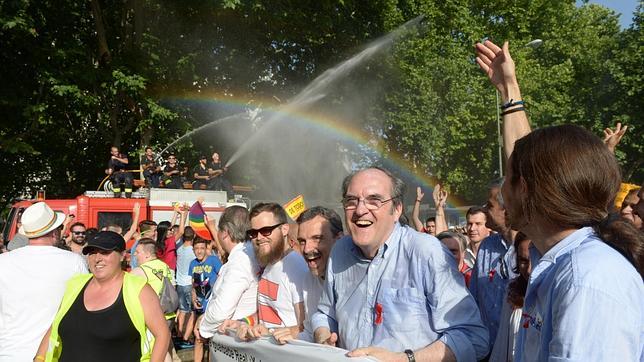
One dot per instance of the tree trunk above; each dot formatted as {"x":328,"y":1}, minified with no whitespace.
{"x":104,"y":56}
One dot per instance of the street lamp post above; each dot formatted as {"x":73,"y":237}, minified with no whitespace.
{"x":534,"y":44}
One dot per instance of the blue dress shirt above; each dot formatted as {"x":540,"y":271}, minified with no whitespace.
{"x":408,"y":296}
{"x":584,"y":303}
{"x":493,"y":270}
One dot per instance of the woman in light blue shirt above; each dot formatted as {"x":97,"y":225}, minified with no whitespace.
{"x":584,"y":297}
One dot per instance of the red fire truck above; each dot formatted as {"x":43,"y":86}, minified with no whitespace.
{"x":99,"y":208}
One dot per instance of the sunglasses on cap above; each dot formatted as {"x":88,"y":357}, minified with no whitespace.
{"x":265,"y":231}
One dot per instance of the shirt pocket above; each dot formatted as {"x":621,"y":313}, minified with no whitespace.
{"x":403,"y":310}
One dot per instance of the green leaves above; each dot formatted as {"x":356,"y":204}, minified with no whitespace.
{"x":426,"y":101}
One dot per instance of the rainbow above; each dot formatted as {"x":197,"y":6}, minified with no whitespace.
{"x":329,"y":126}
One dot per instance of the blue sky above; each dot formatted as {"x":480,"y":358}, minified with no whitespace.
{"x":625,"y":7}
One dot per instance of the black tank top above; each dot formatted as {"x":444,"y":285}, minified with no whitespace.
{"x":103,"y":335}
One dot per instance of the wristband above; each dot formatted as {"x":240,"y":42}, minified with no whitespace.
{"x":248,"y":320}
{"x":518,"y":109}
{"x":512,"y":103}
{"x":410,"y":355}
{"x":39,"y":358}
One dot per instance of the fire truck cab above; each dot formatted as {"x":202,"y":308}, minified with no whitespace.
{"x":98,"y":209}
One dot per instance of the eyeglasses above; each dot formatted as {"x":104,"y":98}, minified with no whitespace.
{"x":78,"y":232}
{"x":265,"y":231}
{"x":370,"y":202}
{"x":172,"y":158}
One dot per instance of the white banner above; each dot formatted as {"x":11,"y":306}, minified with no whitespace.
{"x":225,"y":348}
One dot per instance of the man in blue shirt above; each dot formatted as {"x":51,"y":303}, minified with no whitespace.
{"x":494,"y":265}
{"x":391,"y":292}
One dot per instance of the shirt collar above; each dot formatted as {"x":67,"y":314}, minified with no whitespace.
{"x":566,"y":244}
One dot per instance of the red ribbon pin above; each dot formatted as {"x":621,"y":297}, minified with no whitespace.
{"x":378,"y":313}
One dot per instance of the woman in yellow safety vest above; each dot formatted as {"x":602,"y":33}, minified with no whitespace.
{"x":108,"y":315}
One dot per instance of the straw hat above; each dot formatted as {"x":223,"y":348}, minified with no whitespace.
{"x":39,"y":219}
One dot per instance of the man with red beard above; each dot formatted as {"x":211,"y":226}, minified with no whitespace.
{"x":280,"y":292}
{"x":318,"y":229}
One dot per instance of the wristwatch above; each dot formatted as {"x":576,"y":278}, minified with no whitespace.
{"x":410,"y":355}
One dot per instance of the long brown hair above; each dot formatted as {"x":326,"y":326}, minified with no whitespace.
{"x":571,"y":179}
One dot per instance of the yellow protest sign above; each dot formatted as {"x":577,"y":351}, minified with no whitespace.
{"x":295,"y":207}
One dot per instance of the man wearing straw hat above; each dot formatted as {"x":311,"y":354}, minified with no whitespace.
{"x":32,"y":283}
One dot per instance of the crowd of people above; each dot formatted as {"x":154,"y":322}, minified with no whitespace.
{"x":547,"y":269}
{"x":168,"y":174}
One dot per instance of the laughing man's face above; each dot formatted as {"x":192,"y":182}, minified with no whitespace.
{"x":369,"y":229}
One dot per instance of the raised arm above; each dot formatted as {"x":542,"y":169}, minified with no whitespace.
{"x":66,"y":225}
{"x":136,"y":211}
{"x":498,"y":65}
{"x":416,"y":210}
{"x":440,"y":199}
{"x":182,"y":223}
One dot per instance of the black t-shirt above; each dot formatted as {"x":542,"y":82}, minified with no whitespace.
{"x":148,"y":163}
{"x":201,"y":171}
{"x":117,"y":165}
{"x":169,"y":168}
{"x":216,"y":166}
{"x":103,"y":335}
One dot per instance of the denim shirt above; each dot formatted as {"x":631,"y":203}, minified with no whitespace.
{"x":493,"y":270}
{"x":408,"y":296}
{"x":585,"y":302}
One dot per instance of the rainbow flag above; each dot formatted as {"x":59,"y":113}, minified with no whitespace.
{"x":197,"y":218}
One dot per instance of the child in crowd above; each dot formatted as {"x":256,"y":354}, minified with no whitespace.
{"x":204,"y":270}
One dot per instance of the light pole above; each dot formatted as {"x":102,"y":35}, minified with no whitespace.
{"x":534,"y":44}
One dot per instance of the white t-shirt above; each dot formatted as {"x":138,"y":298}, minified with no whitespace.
{"x":281,"y":286}
{"x":32,"y":284}
{"x":234,"y":294}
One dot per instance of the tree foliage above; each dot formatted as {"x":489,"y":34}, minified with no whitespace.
{"x":80,"y":76}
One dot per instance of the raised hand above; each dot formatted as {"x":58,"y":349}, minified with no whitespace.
{"x":440,"y":196}
{"x":612,"y":138}
{"x":498,"y":65}
{"x":419,"y":194}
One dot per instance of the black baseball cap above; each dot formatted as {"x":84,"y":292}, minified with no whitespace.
{"x":105,"y":240}
{"x":203,"y":157}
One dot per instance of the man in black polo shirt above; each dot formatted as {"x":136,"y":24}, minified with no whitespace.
{"x":172,"y":173}
{"x":201,"y":174}
{"x":151,"y":168}
{"x":116,"y":168}
{"x":217,"y":180}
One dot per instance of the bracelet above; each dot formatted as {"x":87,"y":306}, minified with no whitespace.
{"x":512,"y":103}
{"x":410,"y":355}
{"x":518,"y":109}
{"x":248,"y":320}
{"x":417,"y":200}
{"x":39,"y":357}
